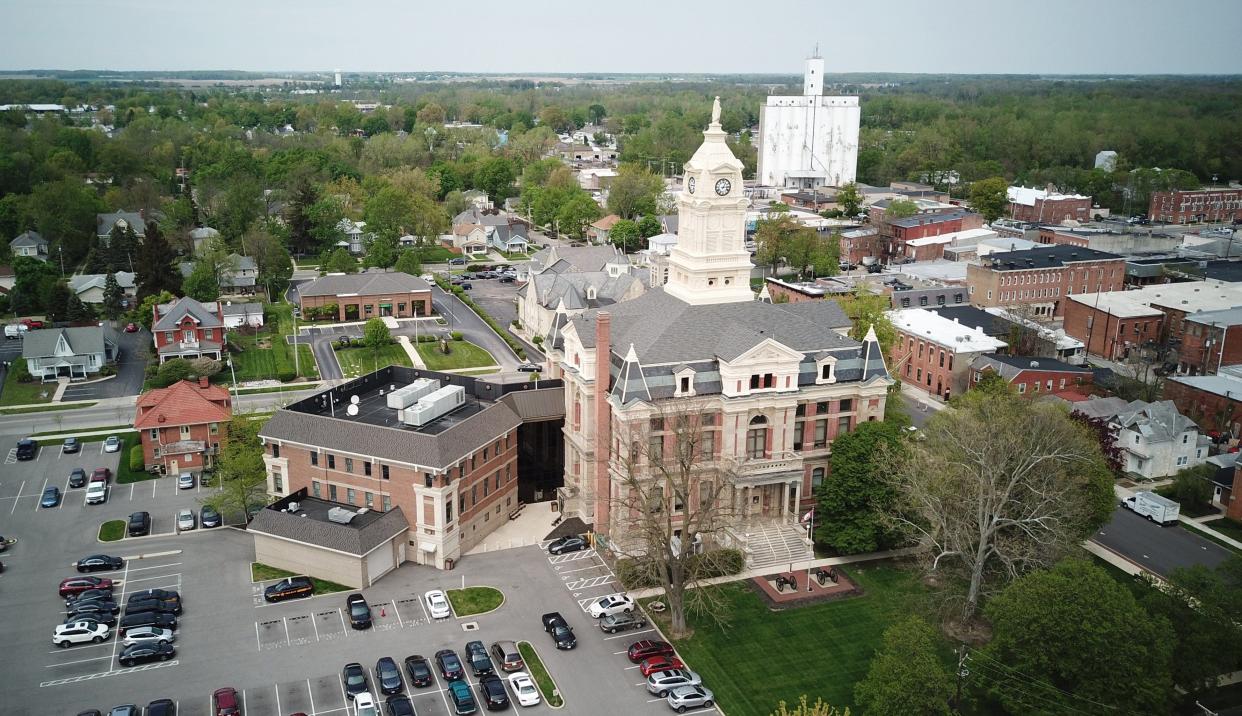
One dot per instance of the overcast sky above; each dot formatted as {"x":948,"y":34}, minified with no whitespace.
{"x":532,"y":36}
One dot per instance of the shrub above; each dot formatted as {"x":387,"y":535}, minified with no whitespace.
{"x":21,"y":372}
{"x":537,"y":340}
{"x":426,"y":339}
{"x":472,"y":268}
{"x":108,"y":369}
{"x":171,"y":371}
{"x":457,"y":336}
{"x":286,"y":374}
{"x":516,"y":324}
{"x":135,"y":459}
{"x":205,"y":367}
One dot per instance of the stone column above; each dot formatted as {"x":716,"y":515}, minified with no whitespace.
{"x":784,"y":499}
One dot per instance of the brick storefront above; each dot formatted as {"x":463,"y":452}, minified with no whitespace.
{"x":1184,"y":207}
{"x":1043,"y":278}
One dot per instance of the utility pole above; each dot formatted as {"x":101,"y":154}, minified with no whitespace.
{"x":297,"y":368}
{"x":963,"y":656}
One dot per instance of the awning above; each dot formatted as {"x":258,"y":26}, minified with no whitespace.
{"x":385,"y":305}
{"x":426,"y":546}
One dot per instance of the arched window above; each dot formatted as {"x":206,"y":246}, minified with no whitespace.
{"x":757,"y":438}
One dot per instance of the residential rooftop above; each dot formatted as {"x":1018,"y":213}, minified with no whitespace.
{"x":944,"y":331}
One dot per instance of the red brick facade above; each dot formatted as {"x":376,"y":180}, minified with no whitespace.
{"x":1036,"y":382}
{"x":1006,"y":279}
{"x":1107,"y":335}
{"x":1054,"y":210}
{"x":1184,"y":207}
{"x":1209,"y":410}
{"x":182,"y":427}
{"x":1200,"y":352}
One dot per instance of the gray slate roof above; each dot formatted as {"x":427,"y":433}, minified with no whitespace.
{"x":243,"y":309}
{"x":550,"y":288}
{"x":363,"y":284}
{"x":83,"y":340}
{"x":28,"y":238}
{"x":105,"y":222}
{"x":344,"y":538}
{"x":1009,"y":367}
{"x":171,"y":314}
{"x":577,"y":258}
{"x":87,"y":281}
{"x":1158,"y":422}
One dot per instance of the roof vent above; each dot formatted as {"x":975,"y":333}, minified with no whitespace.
{"x":293,"y":506}
{"x":1034,"y":364}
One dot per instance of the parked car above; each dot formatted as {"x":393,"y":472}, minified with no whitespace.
{"x":611,"y":604}
{"x":507,"y":655}
{"x":101,"y":474}
{"x":143,"y":635}
{"x":364,"y":705}
{"x":208,"y":517}
{"x":450,"y":665}
{"x":32,"y":323}
{"x":85,"y":606}
{"x":529,"y":368}
{"x":355,"y":679}
{"x":1157,"y":508}
{"x":70,"y":446}
{"x":139,"y":524}
{"x":562,"y":634}
{"x":224,"y":702}
{"x":112,"y":444}
{"x":476,"y":656}
{"x":97,"y":493}
{"x":568,"y":543}
{"x":162,"y":707}
{"x":15,"y":330}
{"x":133,"y":620}
{"x":153,"y":604}
{"x":126,"y":710}
{"x":143,"y":653}
{"x":647,"y":648}
{"x":26,"y":449}
{"x":77,"y":477}
{"x":492,"y":689}
{"x":291,"y":588}
{"x":153,"y":594}
{"x":507,"y":278}
{"x":419,"y":671}
{"x":185,"y":481}
{"x":438,"y":604}
{"x":388,"y":676}
{"x":75,"y":585}
{"x":51,"y":497}
{"x":100,"y":612}
{"x":690,"y":697}
{"x":89,"y":595}
{"x":524,"y":689}
{"x":457,"y":261}
{"x":463,"y":700}
{"x":359,"y":612}
{"x":466,"y":286}
{"x":662,"y":682}
{"x":400,"y":705}
{"x":186,"y":520}
{"x":659,"y":663}
{"x":79,"y":632}
{"x":622,"y":621}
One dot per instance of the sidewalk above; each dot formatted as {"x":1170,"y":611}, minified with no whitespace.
{"x":781,"y":568}
{"x":924,"y":401}
{"x":412,"y":352}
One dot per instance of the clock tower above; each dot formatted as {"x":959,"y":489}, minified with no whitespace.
{"x":710,"y":263}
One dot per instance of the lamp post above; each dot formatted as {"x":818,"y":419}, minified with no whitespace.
{"x":233,"y":373}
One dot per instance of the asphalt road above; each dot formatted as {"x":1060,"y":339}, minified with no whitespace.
{"x":1157,"y":549}
{"x":462,"y":318}
{"x":135,"y":347}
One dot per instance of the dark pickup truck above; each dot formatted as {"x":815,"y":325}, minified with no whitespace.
{"x":562,"y":634}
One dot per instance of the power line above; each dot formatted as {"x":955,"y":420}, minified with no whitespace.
{"x":1007,"y":669}
{"x":1006,"y":681}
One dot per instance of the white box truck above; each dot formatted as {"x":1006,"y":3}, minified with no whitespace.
{"x":1160,"y":510}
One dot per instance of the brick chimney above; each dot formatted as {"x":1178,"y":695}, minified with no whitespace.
{"x":603,"y":421}
{"x":203,"y":382}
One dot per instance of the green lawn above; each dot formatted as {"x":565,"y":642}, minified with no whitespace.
{"x":261,"y":573}
{"x":17,"y":393}
{"x":474,"y":600}
{"x":112,"y":530}
{"x":359,"y":360}
{"x":1227,"y":527}
{"x":44,"y":409}
{"x":124,"y":475}
{"x":267,"y":355}
{"x":761,"y":657}
{"x":464,"y":355}
{"x":435,"y":254}
{"x":538,"y":672}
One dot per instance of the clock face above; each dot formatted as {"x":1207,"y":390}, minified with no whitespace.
{"x":723,"y":186}
{"x":690,"y":185}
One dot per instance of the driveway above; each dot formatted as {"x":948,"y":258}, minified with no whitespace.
{"x":130,"y":368}
{"x":461,"y":318}
{"x":321,"y":339}
{"x":1157,"y":549}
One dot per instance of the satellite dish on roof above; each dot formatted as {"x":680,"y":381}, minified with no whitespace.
{"x":352,"y":409}
{"x":353,"y":400}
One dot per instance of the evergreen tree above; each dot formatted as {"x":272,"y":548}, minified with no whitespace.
{"x":56,"y":296}
{"x":113,"y":297}
{"x":298,"y":218}
{"x":78,"y":312}
{"x":154,"y":265}
{"x":409,"y":262}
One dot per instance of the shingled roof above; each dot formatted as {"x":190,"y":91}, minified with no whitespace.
{"x":363,"y":284}
{"x":348,"y":538}
{"x":183,"y":403}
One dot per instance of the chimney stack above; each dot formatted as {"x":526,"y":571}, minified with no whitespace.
{"x":203,"y":382}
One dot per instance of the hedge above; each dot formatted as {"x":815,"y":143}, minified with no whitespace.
{"x":136,"y":463}
{"x":718,"y":563}
{"x":456,"y":335}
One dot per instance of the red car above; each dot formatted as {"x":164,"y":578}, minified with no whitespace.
{"x":101,"y":473}
{"x":131,"y":327}
{"x":73,"y":585}
{"x":647,"y":648}
{"x":31,"y":323}
{"x":660,"y":663}
{"x":224,"y":702}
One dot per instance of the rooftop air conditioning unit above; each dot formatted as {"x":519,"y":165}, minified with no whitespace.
{"x":363,"y":510}
{"x":293,"y":506}
{"x":340,"y":515}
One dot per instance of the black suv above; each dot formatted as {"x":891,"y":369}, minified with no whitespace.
{"x":291,"y":588}
{"x":163,"y":606}
{"x":388,"y":676}
{"x":77,"y":477}
{"x":359,"y":612}
{"x":480,"y":662}
{"x":26,"y":449}
{"x":450,"y":665}
{"x":355,"y":679}
{"x":562,"y":634}
{"x":139,"y":524}
{"x":141,"y":619}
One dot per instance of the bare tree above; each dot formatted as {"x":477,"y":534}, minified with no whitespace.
{"x":998,"y":486}
{"x":675,"y":501}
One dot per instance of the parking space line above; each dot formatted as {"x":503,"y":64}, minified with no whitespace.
{"x":583,"y":569}
{"x":154,"y":566}
{"x":39,"y":501}
{"x":313,"y":621}
{"x":394,"y":611}
{"x":343,"y":628}
{"x":116,"y":639}
{"x":162,"y":576}
{"x":310,"y":693}
{"x":154,"y":484}
{"x":131,"y":490}
{"x":276,"y":688}
{"x":628,"y":634}
{"x":344,"y":696}
{"x":19,"y":496}
{"x":258,"y":644}
{"x":245,"y":708}
{"x":287,"y":641}
{"x":426,"y":616}
{"x":79,"y":661}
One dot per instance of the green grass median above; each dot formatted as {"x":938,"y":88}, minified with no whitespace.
{"x":112,"y":531}
{"x":538,"y":672}
{"x":474,"y":600}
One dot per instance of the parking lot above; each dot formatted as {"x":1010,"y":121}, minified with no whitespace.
{"x":283,"y":657}
{"x":496,"y":298}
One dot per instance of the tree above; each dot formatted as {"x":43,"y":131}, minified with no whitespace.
{"x":866,"y":311}
{"x":431,"y":113}
{"x":597,"y":113}
{"x":1100,"y":428}
{"x":576,"y":214}
{"x":455,"y":202}
{"x":382,"y":252}
{"x":409,"y":262}
{"x":154,"y":265}
{"x":900,"y":209}
{"x":144,"y":313}
{"x":984,"y":514}
{"x":388,"y":211}
{"x":819,"y":708}
{"x":239,"y":469}
{"x":171,"y":371}
{"x":1202,"y":603}
{"x":634,"y":191}
{"x":298,"y":217}
{"x":906,"y":675}
{"x":808,"y":249}
{"x":990,"y":197}
{"x":340,"y":261}
{"x":773,"y":239}
{"x":649,"y":226}
{"x":56,"y":295}
{"x":495,"y":176}
{"x":271,"y":258}
{"x":375,"y":335}
{"x":850,"y":199}
{"x":1193,"y":485}
{"x":671,"y":494}
{"x":854,"y":499}
{"x":78,"y":312}
{"x":113,"y":297}
{"x":624,"y":235}
{"x":202,"y":284}
{"x":1051,"y":631}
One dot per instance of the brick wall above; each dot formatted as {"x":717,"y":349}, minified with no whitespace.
{"x":1200,"y":352}
{"x":404,"y":305}
{"x":1107,"y":335}
{"x":1053,"y":210}
{"x":1181,"y":207}
{"x":171,"y":434}
{"x":1044,"y":288}
{"x":1209,"y":410}
{"x":932,"y":368}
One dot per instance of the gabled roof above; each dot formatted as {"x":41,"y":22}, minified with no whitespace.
{"x":80,"y":341}
{"x":206,"y":315}
{"x":182,"y":403}
{"x":1009,"y":367}
{"x":28,"y":238}
{"x":86,"y":281}
{"x":576,"y":258}
{"x":550,"y":288}
{"x":105,"y":222}
{"x":203,"y":232}
{"x":606,"y":223}
{"x":243,"y":309}
{"x":363,"y":284}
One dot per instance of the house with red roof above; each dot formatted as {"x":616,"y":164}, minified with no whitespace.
{"x":181,"y":426}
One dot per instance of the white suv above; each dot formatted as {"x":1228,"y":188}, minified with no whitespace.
{"x":364,"y":705}
{"x":149,"y":635}
{"x":611,"y":604}
{"x":82,"y":632}
{"x":97,"y":492}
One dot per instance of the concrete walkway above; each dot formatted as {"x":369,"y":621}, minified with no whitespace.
{"x":412,"y":352}
{"x":925,"y":401}
{"x":529,"y":528}
{"x":794,"y":567}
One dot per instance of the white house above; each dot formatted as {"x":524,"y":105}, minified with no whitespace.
{"x":1157,"y":440}
{"x":239,"y":314}
{"x":354,"y":235}
{"x":51,"y":353}
{"x":89,"y":287}
{"x":29,"y":243}
{"x":202,"y":237}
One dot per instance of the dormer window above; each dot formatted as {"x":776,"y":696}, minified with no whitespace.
{"x":590,"y":293}
{"x":683,"y":382}
{"x":826,"y":370}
